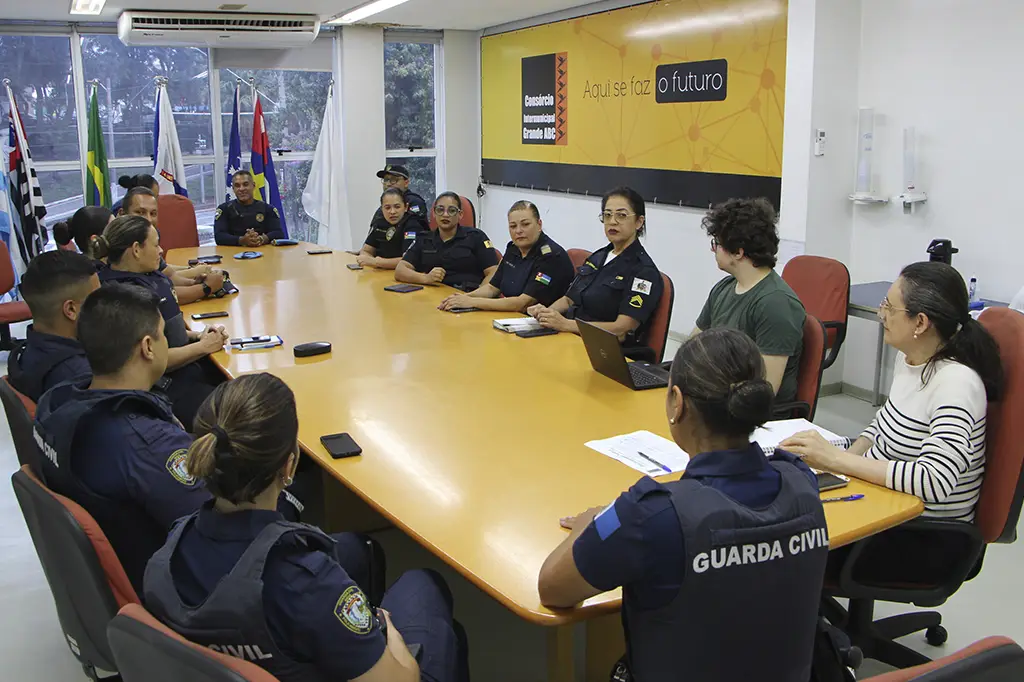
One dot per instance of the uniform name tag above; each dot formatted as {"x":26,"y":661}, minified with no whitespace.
{"x":741,"y":555}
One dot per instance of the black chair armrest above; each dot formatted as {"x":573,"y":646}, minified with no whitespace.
{"x":641,"y":353}
{"x":796,"y":409}
{"x":925,"y":595}
{"x":833,"y":352}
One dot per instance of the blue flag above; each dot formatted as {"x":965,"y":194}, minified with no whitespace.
{"x":234,"y":155}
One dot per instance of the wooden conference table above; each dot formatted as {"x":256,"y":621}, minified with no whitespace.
{"x":473,"y":439}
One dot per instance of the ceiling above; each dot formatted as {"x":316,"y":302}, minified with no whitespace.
{"x":434,"y":14}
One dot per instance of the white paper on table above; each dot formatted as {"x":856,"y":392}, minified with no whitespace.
{"x":662,"y":455}
{"x":772,"y":433}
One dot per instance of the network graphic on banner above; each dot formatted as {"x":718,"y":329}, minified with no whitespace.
{"x":682,"y":101}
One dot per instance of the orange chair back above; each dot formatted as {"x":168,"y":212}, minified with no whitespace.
{"x":823,"y":286}
{"x":178,"y":228}
{"x":6,"y":270}
{"x":468,"y":218}
{"x":1003,"y":488}
{"x":812,"y":363}
{"x":578,"y":256}
{"x":147,"y":650}
{"x":983,"y":660}
{"x":657,"y":334}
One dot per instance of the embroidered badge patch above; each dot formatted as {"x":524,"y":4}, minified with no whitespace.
{"x":217,"y":214}
{"x":259,"y":217}
{"x":410,"y":235}
{"x":542,"y":278}
{"x":176,"y":467}
{"x":487,"y":243}
{"x":641,"y":286}
{"x":545,"y":250}
{"x":637,"y":301}
{"x":353,"y":611}
{"x":390,"y":233}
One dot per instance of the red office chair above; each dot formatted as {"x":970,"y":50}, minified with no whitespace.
{"x":468,"y":218}
{"x":20,"y":412}
{"x":823,"y":286}
{"x":178,"y":228}
{"x":995,"y":521}
{"x":148,"y":651}
{"x":86,"y":579}
{"x":13,"y":311}
{"x":657,"y":333}
{"x":993,"y":659}
{"x":578,"y":257}
{"x":808,"y":381}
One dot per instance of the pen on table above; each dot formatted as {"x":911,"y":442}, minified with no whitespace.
{"x":848,"y":498}
{"x":655,"y":462}
{"x":254,"y":346}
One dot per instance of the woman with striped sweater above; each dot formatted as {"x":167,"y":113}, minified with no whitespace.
{"x":929,"y":437}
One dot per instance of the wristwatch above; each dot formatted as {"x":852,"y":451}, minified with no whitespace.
{"x":206,"y":289}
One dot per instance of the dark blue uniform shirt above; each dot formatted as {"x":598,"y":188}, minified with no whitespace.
{"x":300,"y":590}
{"x":392,"y":241}
{"x":544,"y":274}
{"x":464,"y":257}
{"x":233,"y":219}
{"x":630,"y":285}
{"x":637,"y":542}
{"x":44,"y":361}
{"x":418,"y":213}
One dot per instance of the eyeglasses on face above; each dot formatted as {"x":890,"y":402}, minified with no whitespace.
{"x":391,"y":180}
{"x":614,"y":216}
{"x":886,"y":308}
{"x":449,"y":210}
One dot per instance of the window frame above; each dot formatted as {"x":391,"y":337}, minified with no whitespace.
{"x":435,"y":38}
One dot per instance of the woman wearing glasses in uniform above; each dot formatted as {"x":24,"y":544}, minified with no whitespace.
{"x":461,"y":257}
{"x":928,"y":439}
{"x":618,"y":287}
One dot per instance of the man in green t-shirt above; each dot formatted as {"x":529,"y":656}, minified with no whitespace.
{"x":753,"y":298}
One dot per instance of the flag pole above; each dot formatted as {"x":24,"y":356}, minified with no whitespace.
{"x":252,"y":84}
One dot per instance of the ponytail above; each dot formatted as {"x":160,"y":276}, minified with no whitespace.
{"x":99,"y":247}
{"x":937,"y":291}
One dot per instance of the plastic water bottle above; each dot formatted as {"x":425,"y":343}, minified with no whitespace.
{"x":972,"y":290}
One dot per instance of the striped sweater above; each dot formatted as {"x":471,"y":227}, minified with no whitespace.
{"x":933,"y":437}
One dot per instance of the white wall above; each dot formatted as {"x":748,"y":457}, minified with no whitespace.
{"x":950,"y":69}
{"x":461,"y":51}
{"x":362,"y":103}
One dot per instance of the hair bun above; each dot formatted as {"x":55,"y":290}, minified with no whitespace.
{"x":750,"y":402}
{"x":126,"y":181}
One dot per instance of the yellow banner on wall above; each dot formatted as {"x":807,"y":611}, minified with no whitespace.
{"x":683,"y":100}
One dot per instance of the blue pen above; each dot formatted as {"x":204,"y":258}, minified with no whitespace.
{"x":848,"y":498}
{"x":655,"y":462}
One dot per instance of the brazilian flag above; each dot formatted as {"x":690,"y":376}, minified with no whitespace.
{"x":97,"y":175}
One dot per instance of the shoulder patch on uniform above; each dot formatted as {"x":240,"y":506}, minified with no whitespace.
{"x":259,"y":217}
{"x":543,"y":279}
{"x":487,"y":243}
{"x":607,"y":522}
{"x":217,"y":214}
{"x":637,"y":301}
{"x":353,"y":610}
{"x":545,"y":250}
{"x":641,"y":285}
{"x":275,"y":211}
{"x":410,"y":235}
{"x":176,"y":467}
{"x":415,"y":209}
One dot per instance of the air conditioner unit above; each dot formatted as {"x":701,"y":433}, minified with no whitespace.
{"x":217,"y":29}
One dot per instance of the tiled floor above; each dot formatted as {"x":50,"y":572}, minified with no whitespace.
{"x":504,"y":648}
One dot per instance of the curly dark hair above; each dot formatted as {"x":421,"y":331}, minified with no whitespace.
{"x":748,"y":224}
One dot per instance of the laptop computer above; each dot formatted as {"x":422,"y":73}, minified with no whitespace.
{"x":606,"y":356}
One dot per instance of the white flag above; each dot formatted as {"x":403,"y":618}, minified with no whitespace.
{"x":170,"y":166}
{"x":323,"y":199}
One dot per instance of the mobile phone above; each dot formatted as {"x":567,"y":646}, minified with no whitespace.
{"x":353,"y":266}
{"x":403,"y":288}
{"x":827,"y":481}
{"x":263,"y":342}
{"x":250,"y":339}
{"x":340,"y":445}
{"x":317,"y":252}
{"x":206,"y":260}
{"x":207,"y":316}
{"x":463,"y":310}
{"x":530,"y":333}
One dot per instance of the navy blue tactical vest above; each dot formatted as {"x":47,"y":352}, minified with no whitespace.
{"x":133,"y":534}
{"x":748,"y":605}
{"x":231,"y":619}
{"x":30,"y":384}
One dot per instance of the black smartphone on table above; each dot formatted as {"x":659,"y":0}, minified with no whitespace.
{"x":403,"y":288}
{"x":530,"y":333}
{"x":827,"y":481}
{"x":353,"y":266}
{"x":463,"y":310}
{"x":317,"y":252}
{"x":340,"y":445}
{"x":207,"y":316}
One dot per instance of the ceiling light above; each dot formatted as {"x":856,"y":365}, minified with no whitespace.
{"x":361,"y":13}
{"x":87,"y":6}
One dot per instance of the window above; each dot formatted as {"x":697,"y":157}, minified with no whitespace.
{"x":39,"y":68}
{"x":62,"y":192}
{"x":293,"y":109}
{"x":410,"y":111}
{"x":127,"y":94}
